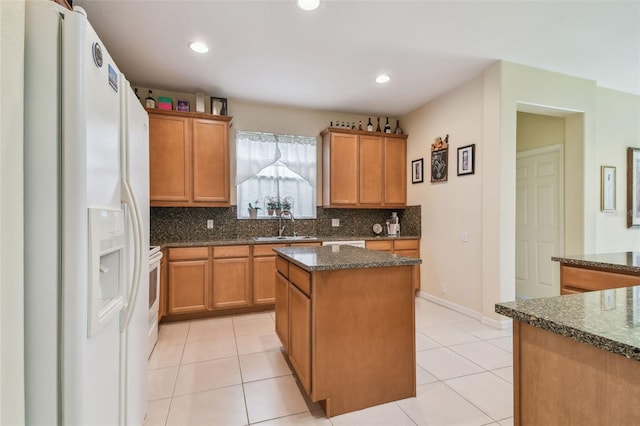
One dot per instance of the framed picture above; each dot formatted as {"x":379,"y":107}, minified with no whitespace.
{"x":417,"y":171}
{"x":218,"y":106}
{"x":608,"y":189}
{"x":633,"y":187}
{"x":467,"y":160}
{"x":439,"y":165}
{"x":182,"y":106}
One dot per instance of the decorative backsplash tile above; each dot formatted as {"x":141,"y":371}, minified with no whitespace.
{"x":189,"y":224}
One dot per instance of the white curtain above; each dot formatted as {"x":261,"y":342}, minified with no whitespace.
{"x":269,"y":165}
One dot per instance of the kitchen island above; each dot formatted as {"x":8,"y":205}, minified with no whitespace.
{"x":577,"y":358}
{"x":601,"y":271}
{"x":346,"y":318}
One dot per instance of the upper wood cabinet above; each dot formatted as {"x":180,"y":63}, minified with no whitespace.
{"x":363,"y":169}
{"x":188,"y":159}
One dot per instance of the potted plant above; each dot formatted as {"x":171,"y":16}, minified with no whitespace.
{"x":286,"y":204}
{"x":253,"y":210}
{"x":272,"y":204}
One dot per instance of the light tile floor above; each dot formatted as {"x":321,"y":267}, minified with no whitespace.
{"x":231,"y":371}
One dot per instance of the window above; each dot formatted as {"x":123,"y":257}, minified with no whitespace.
{"x":276,"y":171}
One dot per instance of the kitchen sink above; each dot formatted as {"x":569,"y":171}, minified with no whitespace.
{"x":289,"y":238}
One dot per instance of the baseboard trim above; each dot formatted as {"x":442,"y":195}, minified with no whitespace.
{"x":500,"y":324}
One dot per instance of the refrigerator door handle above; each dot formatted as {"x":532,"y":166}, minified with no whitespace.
{"x":136,"y":221}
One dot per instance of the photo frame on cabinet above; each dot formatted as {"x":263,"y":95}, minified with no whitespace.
{"x":218,"y":106}
{"x":608,"y":189}
{"x":633,"y":187}
{"x":439,"y":167}
{"x":417,"y":171}
{"x":467,"y":160}
{"x":182,"y":106}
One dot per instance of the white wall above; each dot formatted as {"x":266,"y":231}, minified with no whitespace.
{"x":11,"y":212}
{"x":451,"y":207}
{"x":617,"y":128}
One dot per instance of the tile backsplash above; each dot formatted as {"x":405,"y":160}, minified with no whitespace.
{"x":189,"y":224}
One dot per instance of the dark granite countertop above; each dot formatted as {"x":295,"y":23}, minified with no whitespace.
{"x":623,"y":261}
{"x":274,"y":240}
{"x":330,"y":258}
{"x":607,"y":319}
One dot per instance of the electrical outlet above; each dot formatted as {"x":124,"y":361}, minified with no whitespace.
{"x":464,"y":237}
{"x":443,"y":288}
{"x":335,"y":222}
{"x":209,"y":223}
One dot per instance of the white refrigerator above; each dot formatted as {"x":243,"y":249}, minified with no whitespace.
{"x":86,"y":227}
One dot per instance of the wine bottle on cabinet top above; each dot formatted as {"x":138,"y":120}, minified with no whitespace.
{"x":387,"y":127}
{"x":369,"y":126}
{"x":398,"y":130}
{"x":149,"y":102}
{"x":360,"y":125}
{"x":378,"y":129}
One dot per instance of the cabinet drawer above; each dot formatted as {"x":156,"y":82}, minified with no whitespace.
{"x":386,"y":245}
{"x":282,"y":266}
{"x":406,"y":244}
{"x":230,"y":251}
{"x":590,"y":279}
{"x":188,"y":253}
{"x":266,"y":249}
{"x":300,"y":278}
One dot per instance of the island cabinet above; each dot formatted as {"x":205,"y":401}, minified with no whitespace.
{"x":364,"y":169}
{"x":345,"y":357}
{"x":409,"y":248}
{"x":597,"y":272}
{"x":188,"y":159}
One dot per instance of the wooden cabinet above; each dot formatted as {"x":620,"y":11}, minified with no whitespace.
{"x":408,"y":248}
{"x":231,"y":284}
{"x":282,"y":309}
{"x":576,"y":279}
{"x":188,"y":159}
{"x":264,"y":267}
{"x":364,"y":169}
{"x":299,"y":342}
{"x":189,"y":278}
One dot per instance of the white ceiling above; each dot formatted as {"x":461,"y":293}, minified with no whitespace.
{"x":273,"y":52}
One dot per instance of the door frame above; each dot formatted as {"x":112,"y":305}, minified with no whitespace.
{"x":559,"y":149}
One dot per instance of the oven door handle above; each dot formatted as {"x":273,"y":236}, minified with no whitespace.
{"x":155,"y":257}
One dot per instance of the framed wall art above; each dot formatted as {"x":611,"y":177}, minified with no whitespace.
{"x":467,"y":160}
{"x":218,"y":106}
{"x":417,"y":171}
{"x":608,"y":189}
{"x":633,"y":187}
{"x":439,"y":170}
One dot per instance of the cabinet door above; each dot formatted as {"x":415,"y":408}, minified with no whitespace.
{"x":343,"y":170}
{"x":210,"y":162}
{"x":300,"y":335}
{"x":264,"y":280}
{"x":188,"y":286}
{"x":371,"y":163}
{"x":169,"y":159}
{"x":230,"y":282}
{"x":395,"y":172}
{"x":282,"y":309}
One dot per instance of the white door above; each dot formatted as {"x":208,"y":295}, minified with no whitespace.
{"x":539,"y":221}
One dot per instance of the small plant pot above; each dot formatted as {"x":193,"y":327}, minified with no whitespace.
{"x":253,"y":213}
{"x":278,"y":211}
{"x":270,"y":211}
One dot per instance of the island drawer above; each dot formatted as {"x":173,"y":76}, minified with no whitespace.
{"x":188,"y":253}
{"x":282,"y":266}
{"x":300,"y":278}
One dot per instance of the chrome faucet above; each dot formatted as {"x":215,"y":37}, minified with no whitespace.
{"x":281,"y":226}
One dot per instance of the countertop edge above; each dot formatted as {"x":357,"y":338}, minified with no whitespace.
{"x":591,"y":263}
{"x":564,"y":330}
{"x":250,"y":241}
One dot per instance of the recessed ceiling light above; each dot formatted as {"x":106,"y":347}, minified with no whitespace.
{"x":308,"y":4}
{"x":198,"y":47}
{"x":382,"y":78}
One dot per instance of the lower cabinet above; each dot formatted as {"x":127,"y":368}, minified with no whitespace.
{"x":408,"y":248}
{"x":189,"y":276}
{"x":264,"y":268}
{"x":282,"y":309}
{"x":299,"y":344}
{"x":231,"y":283}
